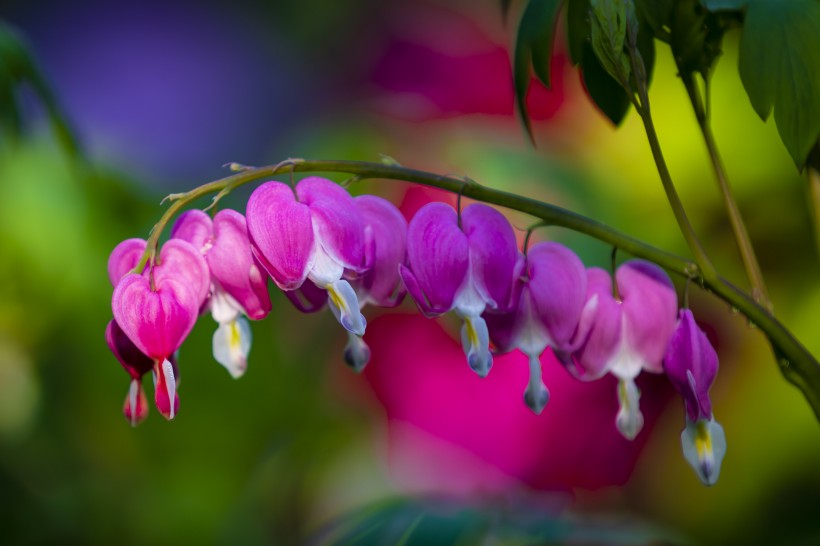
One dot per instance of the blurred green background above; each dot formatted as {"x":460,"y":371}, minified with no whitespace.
{"x":161,"y":94}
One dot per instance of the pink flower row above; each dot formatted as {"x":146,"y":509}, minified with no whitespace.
{"x":319,"y":245}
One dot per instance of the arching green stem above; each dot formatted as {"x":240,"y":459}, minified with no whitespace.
{"x":796,"y":363}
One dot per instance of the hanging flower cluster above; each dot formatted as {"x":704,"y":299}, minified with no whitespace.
{"x":320,"y":245}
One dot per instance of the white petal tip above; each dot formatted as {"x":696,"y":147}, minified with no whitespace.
{"x":629,"y":420}
{"x":537,"y":399}
{"x":356,"y":354}
{"x":231,"y":345}
{"x":704,"y":446}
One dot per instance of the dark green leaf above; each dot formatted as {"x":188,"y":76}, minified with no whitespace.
{"x":608,"y":34}
{"x":721,"y":5}
{"x":577,"y":28}
{"x":605,"y":92}
{"x":533,"y":47}
{"x":780,"y":69}
{"x":658,"y":14}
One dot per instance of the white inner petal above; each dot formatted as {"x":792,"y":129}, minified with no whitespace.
{"x":344,"y":305}
{"x":231,"y":345}
{"x":170,"y":385}
{"x":626,"y":363}
{"x":704,"y":445}
{"x":323,"y":269}
{"x":133,"y":395}
{"x":224,"y":308}
{"x":468,"y":302}
{"x":475,"y":340}
{"x":532,"y":338}
{"x":629,"y":419}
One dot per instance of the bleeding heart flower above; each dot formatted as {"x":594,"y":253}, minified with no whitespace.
{"x":627,"y":335}
{"x":158,"y":309}
{"x":137,"y":365}
{"x":237,"y":284}
{"x":691,"y":364}
{"x":311,"y":232}
{"x":385,"y":237}
{"x":466,"y":265}
{"x":551,"y":296}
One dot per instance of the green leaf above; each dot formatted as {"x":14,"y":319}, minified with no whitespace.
{"x":533,"y":47}
{"x":780,"y":68}
{"x":723,"y":5}
{"x":605,"y":92}
{"x":608,"y":34}
{"x":658,"y":14}
{"x":577,"y":28}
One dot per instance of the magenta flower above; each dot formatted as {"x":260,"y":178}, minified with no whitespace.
{"x":311,"y":232}
{"x":385,"y":243}
{"x":237,"y":286}
{"x":626,"y":335}
{"x":551,"y":296}
{"x":466,"y":265}
{"x":691,"y":364}
{"x":124,"y":258}
{"x":156,"y":311}
{"x":385,"y":238}
{"x":136,"y":364}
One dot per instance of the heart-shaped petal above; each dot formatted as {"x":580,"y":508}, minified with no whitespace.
{"x":493,"y":253}
{"x":194,"y":226}
{"x":233,"y":266}
{"x":602,"y":328}
{"x":386,"y":239}
{"x":337,"y":223}
{"x":650,"y":306}
{"x":181,"y":262}
{"x":557,"y":287}
{"x":124,"y":258}
{"x":281,"y":233}
{"x":437,"y":255}
{"x":156,"y":321}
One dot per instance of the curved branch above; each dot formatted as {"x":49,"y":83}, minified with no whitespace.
{"x":796,"y":363}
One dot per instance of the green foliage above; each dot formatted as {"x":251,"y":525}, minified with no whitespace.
{"x":599,"y":67}
{"x":17,"y":66}
{"x":780,"y":66}
{"x":533,"y":47}
{"x":603,"y":89}
{"x":608,"y":37}
{"x":437,"y":520}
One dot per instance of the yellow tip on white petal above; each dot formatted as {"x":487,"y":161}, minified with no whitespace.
{"x":231,"y":345}
{"x":629,"y":419}
{"x":704,"y":445}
